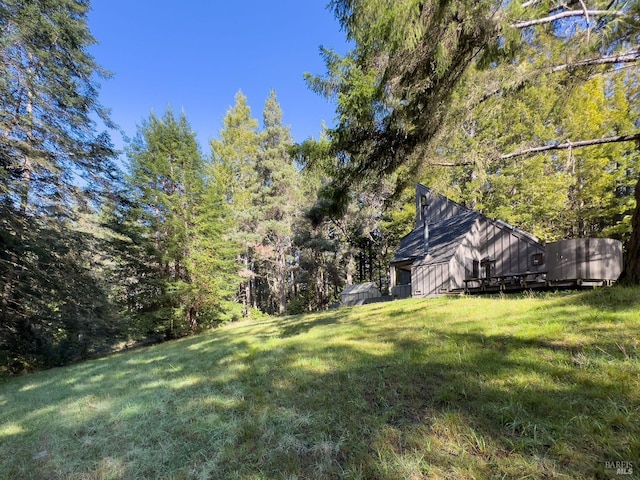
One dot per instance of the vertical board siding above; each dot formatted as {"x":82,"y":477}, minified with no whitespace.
{"x":509,"y":250}
{"x":585,"y":259}
{"x":430,"y":280}
{"x":440,"y":208}
{"x":512,"y":253}
{"x":461,"y":264}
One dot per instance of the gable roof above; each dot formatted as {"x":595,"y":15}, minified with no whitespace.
{"x":449,"y":223}
{"x":444,"y":238}
{"x":438,"y":207}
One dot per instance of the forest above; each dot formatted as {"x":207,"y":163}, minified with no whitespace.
{"x":525,"y":110}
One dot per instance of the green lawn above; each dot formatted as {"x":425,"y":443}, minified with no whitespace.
{"x":544,"y":386}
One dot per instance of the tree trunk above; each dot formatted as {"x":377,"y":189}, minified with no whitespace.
{"x":192,"y":320}
{"x":253,"y":286}
{"x":282,"y":283}
{"x":7,"y":289}
{"x":351,"y":267}
{"x":631,"y":271}
{"x":246,"y":288}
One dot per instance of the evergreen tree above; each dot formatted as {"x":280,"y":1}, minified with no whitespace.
{"x":513,"y":107}
{"x":279,"y":203}
{"x":508,"y":75}
{"x":234,"y":169}
{"x":316,"y":275}
{"x":211,"y":257}
{"x":334,"y":252}
{"x":166,"y":181}
{"x":48,"y":96}
{"x":393,"y":88}
{"x":53,"y":165}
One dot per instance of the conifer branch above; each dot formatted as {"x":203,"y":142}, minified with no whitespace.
{"x":450,"y":164}
{"x":567,"y":145}
{"x":624,"y":57}
{"x":567,"y":14}
{"x":545,"y":148}
{"x":586,"y":17}
{"x":629,"y":56}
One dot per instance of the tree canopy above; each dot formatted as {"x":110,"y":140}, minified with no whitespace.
{"x":394,"y":89}
{"x":485,"y":89}
{"x":54,"y":167}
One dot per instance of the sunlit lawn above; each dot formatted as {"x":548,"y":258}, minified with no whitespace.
{"x":543,"y":386}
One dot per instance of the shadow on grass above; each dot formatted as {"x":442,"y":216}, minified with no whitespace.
{"x":441,"y":401}
{"x":299,"y":324}
{"x":617,"y":298}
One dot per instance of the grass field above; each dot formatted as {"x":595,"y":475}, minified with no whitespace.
{"x":544,"y":386}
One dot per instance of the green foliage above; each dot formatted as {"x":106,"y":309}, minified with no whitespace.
{"x":526,"y":87}
{"x":165,"y":183}
{"x":575,"y":192}
{"x":184,"y":271}
{"x":58,"y":309}
{"x":234,"y":156}
{"x":279,"y":204}
{"x":315,"y":239}
{"x":54,"y":169}
{"x":48,"y":96}
{"x":334,"y":252}
{"x":211,"y":259}
{"x":393,"y":88}
{"x":234,"y":171}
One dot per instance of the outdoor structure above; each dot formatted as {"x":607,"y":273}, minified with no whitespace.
{"x":585,"y":261}
{"x":453,"y":248}
{"x":359,"y":294}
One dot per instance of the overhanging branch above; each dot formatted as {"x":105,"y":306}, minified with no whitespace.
{"x":629,"y":56}
{"x":624,"y":57}
{"x":547,"y":148}
{"x":567,"y":14}
{"x":450,"y":164}
{"x":567,"y":145}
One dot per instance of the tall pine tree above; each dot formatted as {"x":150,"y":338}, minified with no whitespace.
{"x":52,"y":162}
{"x":279,"y":203}
{"x":166,"y":181}
{"x":234,"y":169}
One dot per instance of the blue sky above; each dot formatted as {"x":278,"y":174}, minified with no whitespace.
{"x":194,"y":56}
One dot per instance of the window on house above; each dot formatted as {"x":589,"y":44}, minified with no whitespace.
{"x":476,"y":269}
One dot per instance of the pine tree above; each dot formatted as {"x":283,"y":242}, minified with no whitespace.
{"x":53,"y":165}
{"x":279,"y":203}
{"x":211,"y":257}
{"x":234,"y":169}
{"x":166,"y":181}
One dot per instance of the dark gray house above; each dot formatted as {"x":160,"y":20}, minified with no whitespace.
{"x":453,"y":248}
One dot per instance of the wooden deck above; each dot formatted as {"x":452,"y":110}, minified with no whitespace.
{"x":508,"y":282}
{"x":524,"y":281}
